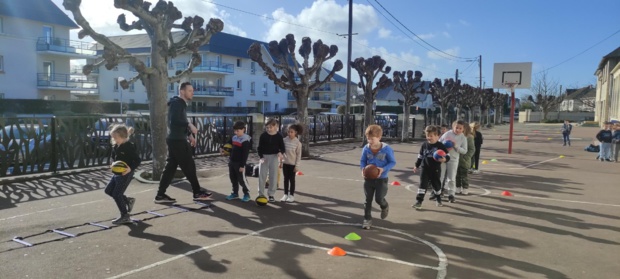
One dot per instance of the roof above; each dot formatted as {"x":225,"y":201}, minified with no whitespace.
{"x":337,"y":78}
{"x":389,"y":94}
{"x":614,"y":54}
{"x":584,"y":92}
{"x":37,"y":10}
{"x":222,"y":43}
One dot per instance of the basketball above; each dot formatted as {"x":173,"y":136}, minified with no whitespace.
{"x":119,"y":167}
{"x":261,"y":201}
{"x":227,"y":149}
{"x":371,"y":172}
{"x":437,"y":155}
{"x":448,"y":144}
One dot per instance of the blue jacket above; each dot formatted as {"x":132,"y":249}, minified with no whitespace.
{"x":383,"y":159}
{"x":616,"y":136}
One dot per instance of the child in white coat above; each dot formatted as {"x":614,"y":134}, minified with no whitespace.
{"x":449,"y":169}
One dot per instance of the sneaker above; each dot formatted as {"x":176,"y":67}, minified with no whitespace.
{"x":290,"y":198}
{"x":418,"y":205}
{"x":125,"y":219}
{"x":367,"y":224}
{"x":470,"y":171}
{"x":459,"y":190}
{"x":432,"y":197}
{"x":475,"y":171}
{"x":202,"y":196}
{"x":602,"y":159}
{"x":385,"y":212}
{"x":272,"y":199}
{"x":232,"y":196}
{"x":465,"y":192}
{"x":438,"y":203}
{"x":284,"y":198}
{"x":451,"y":199}
{"x":164,"y":199}
{"x":246,"y":198}
{"x":130,"y":202}
{"x":608,"y":160}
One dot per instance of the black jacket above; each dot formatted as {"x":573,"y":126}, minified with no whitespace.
{"x":128,"y":153}
{"x":177,"y":119}
{"x":270,"y":144}
{"x":425,"y":157}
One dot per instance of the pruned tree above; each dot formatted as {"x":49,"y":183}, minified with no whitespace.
{"x":368,"y":69}
{"x":444,"y":94}
{"x":408,"y":85}
{"x":298,"y":78}
{"x":486,"y":103}
{"x":547,"y":95}
{"x":468,"y":98}
{"x":498,"y":103}
{"x":158,"y":23}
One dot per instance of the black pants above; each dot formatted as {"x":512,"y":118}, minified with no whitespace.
{"x":237,"y":177}
{"x":432,"y":177}
{"x":476,"y":158}
{"x":377,"y":189}
{"x":116,"y":189}
{"x":289,"y":178}
{"x":179,"y":155}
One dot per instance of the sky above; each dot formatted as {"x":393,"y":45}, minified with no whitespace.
{"x":567,"y":39}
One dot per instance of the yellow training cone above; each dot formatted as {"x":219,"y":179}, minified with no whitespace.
{"x":548,"y":138}
{"x":561,"y":156}
{"x":484,"y":162}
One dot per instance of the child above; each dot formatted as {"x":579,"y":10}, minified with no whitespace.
{"x":566,"y":129}
{"x":291,"y":161}
{"x":444,"y":129}
{"x":236,"y":163}
{"x":462,"y":181}
{"x":428,"y":166}
{"x":270,"y":150}
{"x":616,"y":140}
{"x":381,"y":155}
{"x":448,"y":170}
{"x":477,"y":144}
{"x":125,"y":151}
{"x":605,"y":136}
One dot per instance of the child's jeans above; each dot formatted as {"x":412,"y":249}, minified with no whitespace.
{"x":605,"y":152}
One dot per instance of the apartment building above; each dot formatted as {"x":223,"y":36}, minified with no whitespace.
{"x":608,"y":88}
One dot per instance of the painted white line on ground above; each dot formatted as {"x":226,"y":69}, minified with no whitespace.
{"x":314,"y":216}
{"x":61,"y":207}
{"x":570,"y":201}
{"x":414,"y":189}
{"x":349,"y":253}
{"x":441,"y":267}
{"x":535,"y":164}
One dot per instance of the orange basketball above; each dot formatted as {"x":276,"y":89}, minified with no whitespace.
{"x":371,"y":172}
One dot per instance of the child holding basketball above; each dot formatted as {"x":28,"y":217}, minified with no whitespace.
{"x":270,"y":150}
{"x":381,"y":155}
{"x":448,"y":170}
{"x":292,"y":156}
{"x":236,"y":163}
{"x":126,"y":151}
{"x":428,"y":166}
{"x":462,"y":180}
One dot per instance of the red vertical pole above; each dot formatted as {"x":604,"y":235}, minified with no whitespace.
{"x":512,"y":117}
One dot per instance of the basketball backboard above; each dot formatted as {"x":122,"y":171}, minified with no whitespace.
{"x":518,"y":74}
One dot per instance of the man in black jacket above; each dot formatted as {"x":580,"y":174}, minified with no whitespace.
{"x":179,"y":149}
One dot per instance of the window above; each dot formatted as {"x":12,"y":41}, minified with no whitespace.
{"x":171,"y":87}
{"x":131,"y":87}
{"x":132,"y":101}
{"x":171,"y":64}
{"x":48,"y":33}
{"x":253,"y":67}
{"x":148,"y":61}
{"x":277,"y":89}
{"x":239,"y":85}
{"x":115,"y":85}
{"x":1,"y":26}
{"x":2,"y":96}
{"x":238,"y":104}
{"x":265,"y":88}
{"x":253,"y":88}
{"x":238,"y":59}
{"x":277,"y":107}
{"x":1,"y":63}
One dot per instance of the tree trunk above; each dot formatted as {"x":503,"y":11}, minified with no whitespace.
{"x":302,"y":117}
{"x":368,"y":117}
{"x":156,"y":84}
{"x":405,"y":133}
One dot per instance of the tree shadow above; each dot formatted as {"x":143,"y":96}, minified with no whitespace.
{"x":525,"y":184}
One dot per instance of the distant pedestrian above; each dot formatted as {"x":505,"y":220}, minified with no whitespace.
{"x":180,"y":141}
{"x":605,"y":136}
{"x":290,"y":164}
{"x":126,"y":151}
{"x":616,"y":141}
{"x":381,"y":155}
{"x":270,"y":151}
{"x":566,"y":130}
{"x":478,"y":139}
{"x":237,"y":160}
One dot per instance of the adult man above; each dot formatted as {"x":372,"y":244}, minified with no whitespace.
{"x":179,"y":149}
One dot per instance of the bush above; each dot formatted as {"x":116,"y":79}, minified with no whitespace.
{"x":590,"y":124}
{"x":552,"y":121}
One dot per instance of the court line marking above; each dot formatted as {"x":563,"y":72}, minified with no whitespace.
{"x":486,"y":192}
{"x":441,"y":267}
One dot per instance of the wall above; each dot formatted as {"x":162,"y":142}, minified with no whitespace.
{"x":536,"y":116}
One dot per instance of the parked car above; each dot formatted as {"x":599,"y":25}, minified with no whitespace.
{"x":22,"y":142}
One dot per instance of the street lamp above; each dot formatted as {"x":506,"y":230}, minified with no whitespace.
{"x":121,"y":79}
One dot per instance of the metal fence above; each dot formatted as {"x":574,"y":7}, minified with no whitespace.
{"x":321,"y":127}
{"x":50,"y":144}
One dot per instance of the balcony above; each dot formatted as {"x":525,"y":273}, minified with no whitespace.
{"x":65,"y":47}
{"x":209,"y":66}
{"x":77,"y":70}
{"x":323,"y":88}
{"x":217,"y":91}
{"x":66,"y":81}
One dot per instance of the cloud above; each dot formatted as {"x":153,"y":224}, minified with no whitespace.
{"x":384,"y":33}
{"x":436,"y":55}
{"x":464,"y":22}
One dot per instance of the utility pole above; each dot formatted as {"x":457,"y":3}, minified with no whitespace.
{"x":480,"y":70}
{"x":348,"y":103}
{"x":456,"y":75}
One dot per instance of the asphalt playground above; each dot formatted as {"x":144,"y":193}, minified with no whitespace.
{"x":544,"y":211}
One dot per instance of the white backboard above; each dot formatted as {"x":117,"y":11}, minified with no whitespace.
{"x":519,"y":74}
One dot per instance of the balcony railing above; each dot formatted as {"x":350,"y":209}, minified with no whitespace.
{"x":65,"y":46}
{"x":77,"y":70}
{"x":209,"y":66}
{"x":214,"y":91}
{"x":66,"y":81}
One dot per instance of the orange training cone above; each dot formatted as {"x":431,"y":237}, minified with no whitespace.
{"x":526,"y":138}
{"x":299,"y":173}
{"x":336,"y":251}
{"x":395,"y":183}
{"x":506,"y":193}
